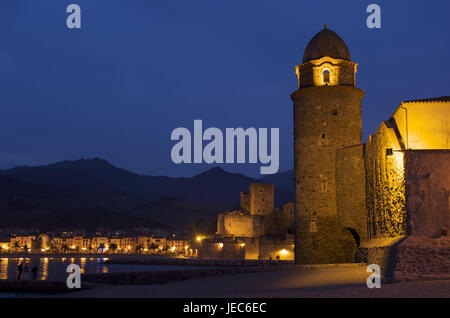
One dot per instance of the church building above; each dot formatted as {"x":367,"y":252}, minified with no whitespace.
{"x":350,"y":194}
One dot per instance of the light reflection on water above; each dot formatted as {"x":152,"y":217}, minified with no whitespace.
{"x":54,"y":268}
{"x":48,"y":268}
{"x":3,"y":268}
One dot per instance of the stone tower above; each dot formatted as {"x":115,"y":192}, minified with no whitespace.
{"x":259,"y":200}
{"x":327,"y":117}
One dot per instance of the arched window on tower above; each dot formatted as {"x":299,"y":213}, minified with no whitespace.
{"x":326,"y":77}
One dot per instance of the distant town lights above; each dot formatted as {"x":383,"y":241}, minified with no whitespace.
{"x":220,"y":245}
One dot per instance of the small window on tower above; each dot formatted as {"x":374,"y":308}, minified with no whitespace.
{"x":323,"y":140}
{"x":326,"y":77}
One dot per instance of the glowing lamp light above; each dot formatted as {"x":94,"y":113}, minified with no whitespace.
{"x":220,"y":245}
{"x":284,"y":252}
{"x":199,"y":238}
{"x":242,"y":244}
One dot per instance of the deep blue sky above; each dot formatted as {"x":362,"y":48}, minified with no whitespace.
{"x":138,"y":69}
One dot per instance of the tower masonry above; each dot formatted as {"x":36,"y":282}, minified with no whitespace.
{"x":327,"y":117}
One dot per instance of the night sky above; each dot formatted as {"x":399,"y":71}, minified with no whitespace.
{"x":138,"y":69}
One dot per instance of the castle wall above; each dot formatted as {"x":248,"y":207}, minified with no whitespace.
{"x":272,"y":249}
{"x":261,"y":198}
{"x":385,"y":199}
{"x":220,"y":223}
{"x":289,"y":211}
{"x":351,"y":190}
{"x":251,"y":248}
{"x":428,"y":191}
{"x":239,"y":224}
{"x":245,"y":202}
{"x":264,"y":249}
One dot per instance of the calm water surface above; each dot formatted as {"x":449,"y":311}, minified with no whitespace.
{"x":54,"y":269}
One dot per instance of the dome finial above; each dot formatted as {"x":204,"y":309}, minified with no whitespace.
{"x":325,"y":26}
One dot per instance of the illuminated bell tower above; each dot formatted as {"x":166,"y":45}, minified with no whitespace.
{"x":327,"y":117}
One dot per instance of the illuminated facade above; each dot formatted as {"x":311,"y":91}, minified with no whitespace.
{"x":248,"y":220}
{"x":407,"y":165}
{"x":349,"y":193}
{"x":243,"y":233}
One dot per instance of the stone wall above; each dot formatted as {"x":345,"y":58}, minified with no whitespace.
{"x":385,"y":183}
{"x":261,"y":198}
{"x":272,"y":249}
{"x":251,"y":248}
{"x":220,"y":223}
{"x":332,"y":244}
{"x":238,"y":223}
{"x":326,"y":119}
{"x":382,"y":252}
{"x":351,"y":190}
{"x":423,"y":258}
{"x":289,"y":211}
{"x":267,"y":248}
{"x":245,"y":202}
{"x":428,"y":191}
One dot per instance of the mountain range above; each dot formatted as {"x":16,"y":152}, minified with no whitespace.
{"x":94,"y":194}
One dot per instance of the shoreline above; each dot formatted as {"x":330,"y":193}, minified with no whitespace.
{"x":71,"y":255}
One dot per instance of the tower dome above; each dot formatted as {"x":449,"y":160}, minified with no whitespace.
{"x":326,"y":43}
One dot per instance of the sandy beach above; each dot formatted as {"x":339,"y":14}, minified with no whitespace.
{"x":348,"y":281}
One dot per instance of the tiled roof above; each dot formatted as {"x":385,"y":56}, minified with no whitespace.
{"x":434,"y":99}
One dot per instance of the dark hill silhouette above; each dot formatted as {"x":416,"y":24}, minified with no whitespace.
{"x":215,"y":187}
{"x":76,"y":188}
{"x":178,"y":213}
{"x":96,"y":183}
{"x":49,"y":207}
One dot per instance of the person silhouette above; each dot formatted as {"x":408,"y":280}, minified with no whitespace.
{"x":19,"y":270}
